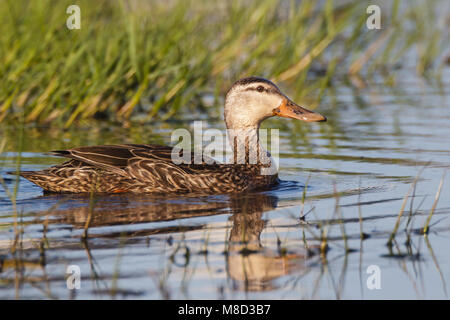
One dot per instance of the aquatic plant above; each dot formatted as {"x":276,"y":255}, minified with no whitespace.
{"x":137,"y":59}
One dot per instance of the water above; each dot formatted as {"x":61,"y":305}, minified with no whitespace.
{"x":361,"y":163}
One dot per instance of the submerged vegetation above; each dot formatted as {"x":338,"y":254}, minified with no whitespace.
{"x":139,"y":59}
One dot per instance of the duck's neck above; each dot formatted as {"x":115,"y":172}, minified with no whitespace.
{"x":246,"y":146}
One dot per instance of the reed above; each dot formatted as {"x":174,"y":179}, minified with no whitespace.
{"x":426,"y":227}
{"x":405,"y":200}
{"x":138,"y":60}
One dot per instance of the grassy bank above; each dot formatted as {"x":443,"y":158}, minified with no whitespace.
{"x":139,"y":59}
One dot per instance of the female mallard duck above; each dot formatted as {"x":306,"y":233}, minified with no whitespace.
{"x":149,"y":168}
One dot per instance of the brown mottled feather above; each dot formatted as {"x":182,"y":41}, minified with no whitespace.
{"x":143,"y":169}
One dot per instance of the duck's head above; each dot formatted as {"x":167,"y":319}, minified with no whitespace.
{"x":252,"y":100}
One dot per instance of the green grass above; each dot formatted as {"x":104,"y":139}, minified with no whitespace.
{"x":140,"y":59}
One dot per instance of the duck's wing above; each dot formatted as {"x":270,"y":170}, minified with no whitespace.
{"x":117,"y":157}
{"x":110,"y":157}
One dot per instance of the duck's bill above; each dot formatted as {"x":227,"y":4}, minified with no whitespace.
{"x":289,"y":109}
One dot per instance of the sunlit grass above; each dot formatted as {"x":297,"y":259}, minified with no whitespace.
{"x":139,"y":59}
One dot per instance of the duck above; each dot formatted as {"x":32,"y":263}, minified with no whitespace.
{"x":150,"y":169}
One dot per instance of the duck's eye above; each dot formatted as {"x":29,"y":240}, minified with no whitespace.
{"x":260,"y":89}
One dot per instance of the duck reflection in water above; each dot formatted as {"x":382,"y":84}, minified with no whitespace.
{"x":250,"y":265}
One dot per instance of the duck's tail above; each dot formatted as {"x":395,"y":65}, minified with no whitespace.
{"x":40,"y":178}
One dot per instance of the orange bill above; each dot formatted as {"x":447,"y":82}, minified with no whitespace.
{"x":289,"y":109}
